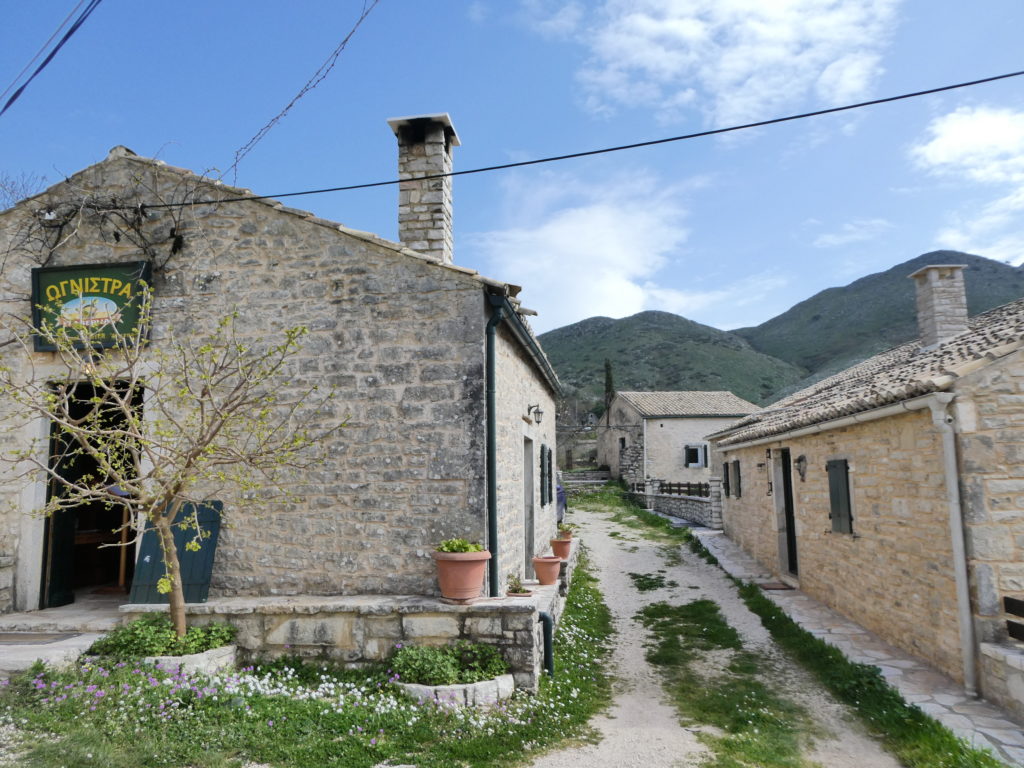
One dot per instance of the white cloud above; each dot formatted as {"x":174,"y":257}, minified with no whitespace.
{"x":742,"y":60}
{"x":599,"y":249}
{"x":983,"y":145}
{"x":856,"y":231}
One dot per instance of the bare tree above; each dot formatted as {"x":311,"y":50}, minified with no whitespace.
{"x":161,"y":425}
{"x":16,"y":188}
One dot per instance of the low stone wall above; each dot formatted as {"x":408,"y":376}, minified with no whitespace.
{"x":362,"y":629}
{"x":695,"y":509}
{"x":1002,"y":676}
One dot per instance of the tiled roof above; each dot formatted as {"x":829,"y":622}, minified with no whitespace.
{"x":901,"y":373}
{"x":693,"y":403}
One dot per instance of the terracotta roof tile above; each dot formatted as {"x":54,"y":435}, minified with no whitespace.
{"x":899,"y":374}
{"x":689,"y":403}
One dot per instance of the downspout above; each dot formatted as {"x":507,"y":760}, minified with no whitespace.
{"x":643,"y":421}
{"x":549,"y":634}
{"x":497,"y":315}
{"x":944,"y":422}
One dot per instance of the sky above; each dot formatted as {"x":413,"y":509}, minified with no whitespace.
{"x":728,"y":231}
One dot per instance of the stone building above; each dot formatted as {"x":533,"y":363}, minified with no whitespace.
{"x":440,"y":383}
{"x":661,"y":435}
{"x":894,"y":491}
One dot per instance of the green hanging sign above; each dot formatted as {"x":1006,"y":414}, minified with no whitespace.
{"x":104,"y":300}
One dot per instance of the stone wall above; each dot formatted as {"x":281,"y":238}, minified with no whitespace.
{"x":517,"y":431}
{"x":397,"y":336}
{"x":706,"y":511}
{"x":362,"y":630}
{"x":666,"y":439}
{"x":621,"y":422}
{"x":893,"y":575}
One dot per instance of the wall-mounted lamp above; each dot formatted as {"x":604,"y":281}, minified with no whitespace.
{"x":801,"y":466}
{"x":538,"y":414}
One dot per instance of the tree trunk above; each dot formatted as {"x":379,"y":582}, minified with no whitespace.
{"x":170,"y":554}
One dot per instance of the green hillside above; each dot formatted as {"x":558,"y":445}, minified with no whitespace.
{"x":840,"y":326}
{"x":661,"y":351}
{"x":820,"y":336}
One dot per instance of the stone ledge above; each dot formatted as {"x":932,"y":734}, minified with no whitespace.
{"x":486,"y":693}
{"x":363,"y":605}
{"x":1011,"y":656}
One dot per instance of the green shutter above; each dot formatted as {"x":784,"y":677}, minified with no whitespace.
{"x":737,"y":488}
{"x":543,"y":475}
{"x":196,"y":567}
{"x":725,"y":478}
{"x":551,"y":476}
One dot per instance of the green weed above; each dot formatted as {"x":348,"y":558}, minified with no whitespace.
{"x":647,"y":582}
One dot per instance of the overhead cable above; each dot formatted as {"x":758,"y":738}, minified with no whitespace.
{"x":67,"y":36}
{"x":42,"y":48}
{"x":620,"y":148}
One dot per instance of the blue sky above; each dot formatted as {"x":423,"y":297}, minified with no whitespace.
{"x":728,"y":231}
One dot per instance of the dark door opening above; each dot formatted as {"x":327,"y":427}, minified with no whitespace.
{"x":787,"y":498}
{"x":528,"y":513}
{"x":73,"y":555}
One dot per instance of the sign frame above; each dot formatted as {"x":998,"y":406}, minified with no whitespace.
{"x":53,"y":298}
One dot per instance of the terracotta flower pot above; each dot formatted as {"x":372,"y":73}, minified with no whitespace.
{"x":561,"y":547}
{"x":547,"y":568}
{"x":461,"y":574}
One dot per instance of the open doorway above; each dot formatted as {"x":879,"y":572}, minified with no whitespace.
{"x":74,"y":555}
{"x":528,"y":512}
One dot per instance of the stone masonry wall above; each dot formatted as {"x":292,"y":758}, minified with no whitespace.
{"x":622,"y":422}
{"x":666,"y":440}
{"x":398,"y":337}
{"x":516,"y":392}
{"x":894,"y":574}
{"x":989,"y":410}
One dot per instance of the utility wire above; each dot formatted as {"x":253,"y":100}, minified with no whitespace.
{"x":67,"y":36}
{"x":312,"y":83}
{"x":43,"y":48}
{"x":607,"y":150}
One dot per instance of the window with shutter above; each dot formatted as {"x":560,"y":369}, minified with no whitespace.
{"x":736,"y":486}
{"x":725,"y":479}
{"x":695,"y":455}
{"x":543,"y":475}
{"x":839,"y":495}
{"x":551,"y":477}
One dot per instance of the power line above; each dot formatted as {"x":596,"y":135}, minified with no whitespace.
{"x":43,"y":48}
{"x":619,"y":148}
{"x":67,"y":36}
{"x":313,"y":82}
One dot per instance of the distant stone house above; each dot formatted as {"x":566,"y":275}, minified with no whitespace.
{"x":440,"y":383}
{"x":893,"y":491}
{"x":661,"y":435}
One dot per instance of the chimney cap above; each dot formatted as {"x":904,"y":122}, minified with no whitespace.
{"x":443,"y":118}
{"x":930,"y":267}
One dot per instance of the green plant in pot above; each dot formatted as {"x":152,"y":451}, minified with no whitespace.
{"x":565,"y":530}
{"x":515,"y":587}
{"x":460,"y":568}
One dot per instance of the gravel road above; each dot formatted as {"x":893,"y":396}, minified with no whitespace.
{"x":641,"y":728}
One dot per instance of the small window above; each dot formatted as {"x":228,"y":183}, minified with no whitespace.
{"x":725,"y":479}
{"x":695,"y":455}
{"x":839,"y":495}
{"x":736,"y":485}
{"x":622,"y":443}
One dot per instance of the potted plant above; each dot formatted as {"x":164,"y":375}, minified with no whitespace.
{"x":565,"y":530}
{"x":561,"y":547}
{"x":547,"y":568}
{"x":516,"y":588}
{"x":460,"y":568}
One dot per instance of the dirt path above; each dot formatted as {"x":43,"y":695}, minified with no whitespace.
{"x":642,"y":728}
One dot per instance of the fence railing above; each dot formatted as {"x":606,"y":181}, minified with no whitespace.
{"x":676,"y":489}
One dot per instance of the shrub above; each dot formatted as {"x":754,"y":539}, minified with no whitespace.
{"x":463,"y":662}
{"x":459,"y":545}
{"x":154,"y":635}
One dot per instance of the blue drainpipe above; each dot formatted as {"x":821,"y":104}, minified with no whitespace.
{"x":492,"y":447}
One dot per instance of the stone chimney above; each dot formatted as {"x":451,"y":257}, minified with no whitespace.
{"x":425,"y":205}
{"x":941,"y":303}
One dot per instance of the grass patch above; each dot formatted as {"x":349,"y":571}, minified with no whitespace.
{"x":648,"y":582}
{"x":755,"y":726}
{"x":301,"y":715}
{"x":918,"y":740}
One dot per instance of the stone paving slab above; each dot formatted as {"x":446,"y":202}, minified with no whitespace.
{"x":980,"y":723}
